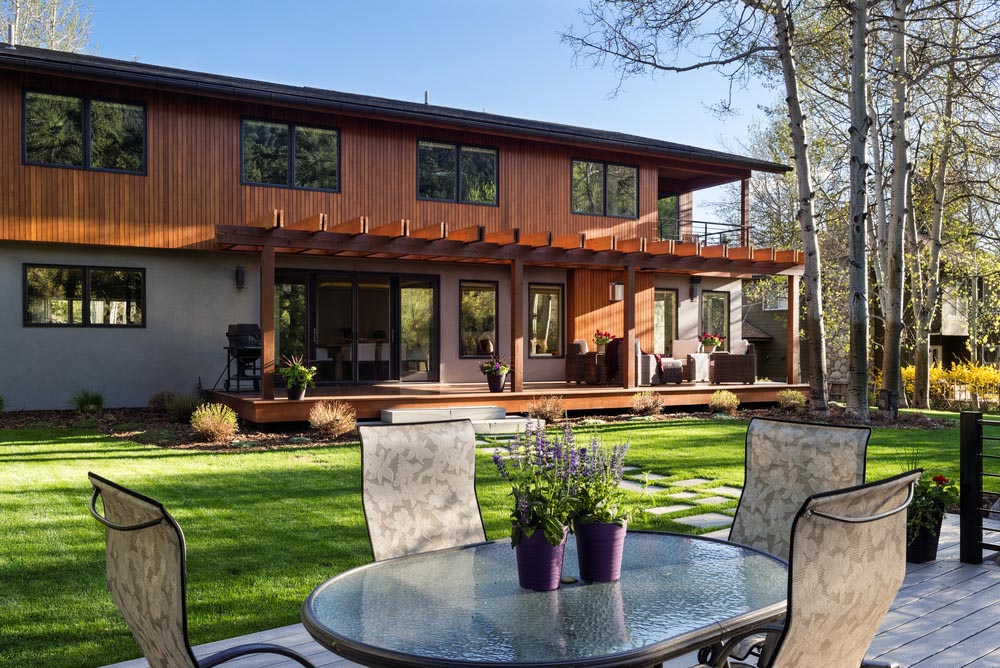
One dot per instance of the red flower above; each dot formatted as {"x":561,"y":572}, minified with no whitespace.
{"x":940,"y":480}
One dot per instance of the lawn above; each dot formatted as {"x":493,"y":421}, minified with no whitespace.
{"x":264,"y":528}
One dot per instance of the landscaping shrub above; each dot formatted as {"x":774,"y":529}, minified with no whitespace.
{"x":215,"y":422}
{"x":180,"y":407}
{"x":791,"y":400}
{"x":160,"y":400}
{"x":724,"y":401}
{"x":88,"y":402}
{"x":647,"y":403}
{"x":333,"y":418}
{"x":549,"y":408}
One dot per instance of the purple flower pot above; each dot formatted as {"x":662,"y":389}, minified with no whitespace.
{"x":599,"y":550}
{"x":539,"y":562}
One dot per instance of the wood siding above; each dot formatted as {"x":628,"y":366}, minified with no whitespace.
{"x":193,"y":177}
{"x":589,"y":306}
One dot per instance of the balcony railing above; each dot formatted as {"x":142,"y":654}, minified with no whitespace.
{"x":707,"y":232}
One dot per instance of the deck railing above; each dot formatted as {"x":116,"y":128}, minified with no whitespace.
{"x":706,"y":231}
{"x":977,"y":463}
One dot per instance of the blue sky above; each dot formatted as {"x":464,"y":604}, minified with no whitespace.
{"x":501,"y":57}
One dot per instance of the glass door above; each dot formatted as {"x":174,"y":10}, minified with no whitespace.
{"x":372,"y":343}
{"x":418,"y":342}
{"x":290,"y":324}
{"x":333,"y":329}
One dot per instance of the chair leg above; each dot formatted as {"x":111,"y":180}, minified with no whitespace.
{"x":253,"y":648}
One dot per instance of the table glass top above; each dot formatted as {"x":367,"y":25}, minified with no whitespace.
{"x":465,"y":605}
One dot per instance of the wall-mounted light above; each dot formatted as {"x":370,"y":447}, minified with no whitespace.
{"x":693,"y":290}
{"x":616,"y":291}
{"x":241,"y":277}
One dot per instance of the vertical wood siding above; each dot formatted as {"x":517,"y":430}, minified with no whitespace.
{"x":590,"y":308}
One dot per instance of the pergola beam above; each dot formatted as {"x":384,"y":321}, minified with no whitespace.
{"x":313,"y":223}
{"x":268,"y":220}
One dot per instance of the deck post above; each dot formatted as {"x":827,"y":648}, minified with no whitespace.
{"x":792,"y":357}
{"x":970,"y":487}
{"x":267,"y":322}
{"x":745,"y":212}
{"x":517,"y":325}
{"x":629,"y":371}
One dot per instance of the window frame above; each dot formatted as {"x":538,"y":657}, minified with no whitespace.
{"x":86,"y":127}
{"x":604,"y":188}
{"x":85,"y":322}
{"x":677,"y":308}
{"x":496,"y":315}
{"x":729,"y":323}
{"x":562,"y":321}
{"x":290,"y":126}
{"x":457,"y":146}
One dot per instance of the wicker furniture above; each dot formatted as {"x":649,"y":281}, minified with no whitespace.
{"x":146,"y":565}
{"x":575,"y":361}
{"x":730,"y":368}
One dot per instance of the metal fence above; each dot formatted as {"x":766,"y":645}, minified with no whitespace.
{"x":705,"y":231}
{"x":979,"y":442}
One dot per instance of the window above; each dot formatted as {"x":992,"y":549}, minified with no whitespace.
{"x":604,"y":189}
{"x":456,"y":173}
{"x":546,"y":312}
{"x":668,"y":208}
{"x":664,"y":320}
{"x":291,"y":156}
{"x":84,"y":296}
{"x":69,"y":131}
{"x":477,"y":318}
{"x":715,"y":314}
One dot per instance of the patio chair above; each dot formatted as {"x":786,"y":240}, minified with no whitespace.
{"x":846,"y":563}
{"x":739,"y":365}
{"x":146,"y":566}
{"x":419,"y":487}
{"x":575,"y":356}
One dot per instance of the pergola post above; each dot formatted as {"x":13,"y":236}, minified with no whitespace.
{"x":267,"y":322}
{"x":517,"y":325}
{"x":745,"y":212}
{"x":629,"y":371}
{"x":792,"y":357}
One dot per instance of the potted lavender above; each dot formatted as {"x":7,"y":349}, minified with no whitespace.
{"x":600,"y":515}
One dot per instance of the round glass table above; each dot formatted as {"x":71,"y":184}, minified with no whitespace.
{"x":463,"y":606}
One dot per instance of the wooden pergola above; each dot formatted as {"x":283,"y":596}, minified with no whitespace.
{"x":270,"y":235}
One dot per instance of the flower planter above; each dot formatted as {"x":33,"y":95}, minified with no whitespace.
{"x":539,"y":562}
{"x":924,"y":545}
{"x":601,"y":348}
{"x":296,"y":393}
{"x":599,"y":548}
{"x":496,"y":382}
{"x":709,"y":349}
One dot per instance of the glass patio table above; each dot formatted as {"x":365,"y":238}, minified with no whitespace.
{"x":463,"y":606}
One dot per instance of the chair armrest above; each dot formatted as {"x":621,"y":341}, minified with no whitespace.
{"x":253,"y":648}
{"x":879,"y":664}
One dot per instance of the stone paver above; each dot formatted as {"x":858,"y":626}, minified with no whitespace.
{"x":633,"y":486}
{"x":653,"y":476}
{"x":664,"y":510}
{"x":725,"y":490}
{"x":713,"y":500}
{"x":629,"y":469}
{"x":682,"y":495}
{"x":706,"y":520}
{"x":690,"y":482}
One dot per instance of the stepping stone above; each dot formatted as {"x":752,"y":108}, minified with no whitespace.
{"x":664,"y":510}
{"x":713,"y":500}
{"x":653,"y":476}
{"x":633,"y":486}
{"x":683,"y":495}
{"x":629,"y":469}
{"x":692,"y":482}
{"x":706,"y":520}
{"x":721,"y":533}
{"x":726,"y":490}
{"x":730,"y":511}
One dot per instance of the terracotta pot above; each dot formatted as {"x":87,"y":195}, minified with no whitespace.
{"x":296,"y":393}
{"x":599,"y":547}
{"x":496,"y":382}
{"x":708,"y":349}
{"x":539,"y":562}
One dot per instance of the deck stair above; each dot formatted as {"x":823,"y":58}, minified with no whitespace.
{"x":486,"y":420}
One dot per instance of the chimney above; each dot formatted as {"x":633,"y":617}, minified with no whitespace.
{"x":10,"y":37}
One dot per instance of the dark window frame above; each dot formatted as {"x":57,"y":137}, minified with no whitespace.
{"x":496,"y":315}
{"x":562,"y":321}
{"x":458,"y":146}
{"x":87,"y":130}
{"x":290,"y":185}
{"x":729,"y":323}
{"x":85,"y":322}
{"x":604,"y":189}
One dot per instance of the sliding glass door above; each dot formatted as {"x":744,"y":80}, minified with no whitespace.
{"x":418,"y":329}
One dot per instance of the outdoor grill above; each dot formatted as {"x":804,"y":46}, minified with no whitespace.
{"x":243,"y":356}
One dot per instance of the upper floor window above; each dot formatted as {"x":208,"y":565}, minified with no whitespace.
{"x":72,"y":131}
{"x":456,"y":173}
{"x":292,"y":156}
{"x":84,"y":296}
{"x":604,"y":189}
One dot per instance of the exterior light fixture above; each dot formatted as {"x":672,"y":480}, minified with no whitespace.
{"x":693,"y":290}
{"x":241,"y":277}
{"x":616,"y":291}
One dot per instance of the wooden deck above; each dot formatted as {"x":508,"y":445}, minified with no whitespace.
{"x":369,"y":400}
{"x":945,"y":616}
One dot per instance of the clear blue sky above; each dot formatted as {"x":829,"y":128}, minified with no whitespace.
{"x":501,"y":57}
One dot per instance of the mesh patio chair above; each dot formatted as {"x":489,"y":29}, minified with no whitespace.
{"x":846,"y":563}
{"x":146,"y":566}
{"x":419,"y":487}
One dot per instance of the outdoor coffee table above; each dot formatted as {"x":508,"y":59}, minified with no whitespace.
{"x":463,"y":607}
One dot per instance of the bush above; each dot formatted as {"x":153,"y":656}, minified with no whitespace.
{"x":333,"y":418}
{"x":647,"y":403}
{"x":180,"y":407}
{"x":160,"y":400}
{"x":88,"y":402}
{"x":215,"y":422}
{"x":549,"y":408}
{"x":791,"y":400}
{"x":724,"y":401}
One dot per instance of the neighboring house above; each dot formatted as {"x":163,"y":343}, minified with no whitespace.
{"x":144,"y":209}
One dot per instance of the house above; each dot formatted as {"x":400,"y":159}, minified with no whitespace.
{"x":145,"y":209}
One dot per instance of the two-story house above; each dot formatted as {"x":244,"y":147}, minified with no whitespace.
{"x":144,"y":209}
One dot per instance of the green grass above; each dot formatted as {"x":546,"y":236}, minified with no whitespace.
{"x":264,"y":528}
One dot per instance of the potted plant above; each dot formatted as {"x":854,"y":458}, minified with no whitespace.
{"x":539,"y":468}
{"x":495,"y":369}
{"x":924,"y":516}
{"x":709,"y":342}
{"x":602,"y":339}
{"x":600,"y":515}
{"x":297,"y":376}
